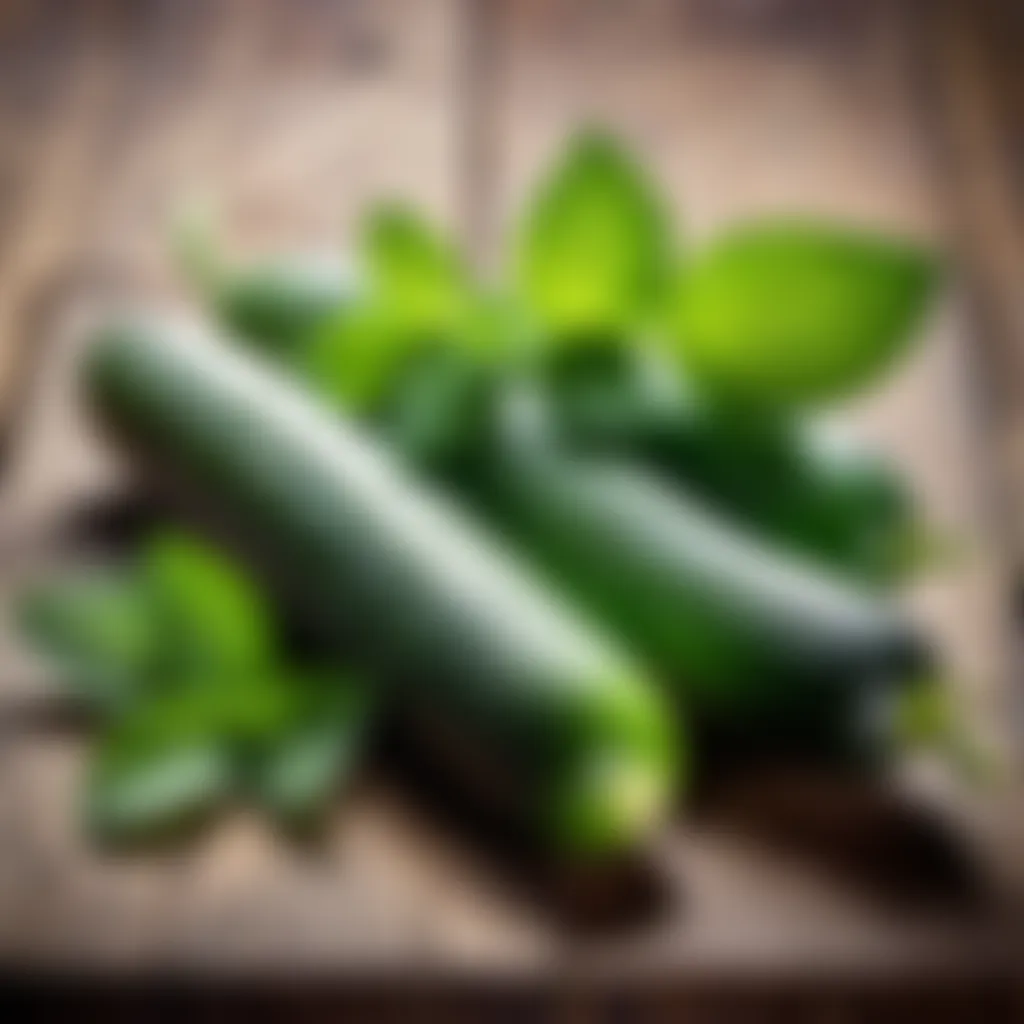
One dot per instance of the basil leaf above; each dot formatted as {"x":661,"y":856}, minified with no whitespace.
{"x":353,"y":361}
{"x":593,"y":255}
{"x":98,"y":629}
{"x":418,"y":298}
{"x":781,"y":313}
{"x":301,"y":768}
{"x":213,"y":619}
{"x":161,"y":767}
{"x":413,"y":273}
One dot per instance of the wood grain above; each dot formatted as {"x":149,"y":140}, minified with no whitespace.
{"x":295,"y":116}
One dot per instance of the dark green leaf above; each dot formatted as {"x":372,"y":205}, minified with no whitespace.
{"x":786,"y":312}
{"x":303,"y":765}
{"x":439,"y":409}
{"x":595,"y":247}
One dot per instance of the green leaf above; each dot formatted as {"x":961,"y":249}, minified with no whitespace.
{"x":213,"y":619}
{"x":413,"y":272}
{"x":781,"y":313}
{"x":353,"y":361}
{"x":418,"y":299}
{"x":161,"y":767}
{"x":440,"y":411}
{"x":594,"y":251}
{"x":301,"y":767}
{"x":98,"y":629}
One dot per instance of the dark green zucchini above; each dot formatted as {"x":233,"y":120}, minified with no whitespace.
{"x":757,"y":644}
{"x":396,"y":577}
{"x":800,"y":483}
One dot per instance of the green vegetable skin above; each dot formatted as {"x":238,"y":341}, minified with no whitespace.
{"x":757,"y":645}
{"x":798,"y":482}
{"x":280,"y":304}
{"x":569,"y":724}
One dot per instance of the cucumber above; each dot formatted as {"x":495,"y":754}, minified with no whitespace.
{"x":800,"y":483}
{"x":756,"y":645}
{"x":401,"y":582}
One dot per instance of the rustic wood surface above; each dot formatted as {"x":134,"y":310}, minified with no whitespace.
{"x":297,"y":114}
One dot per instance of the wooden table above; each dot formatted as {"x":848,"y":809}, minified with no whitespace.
{"x":297,"y":114}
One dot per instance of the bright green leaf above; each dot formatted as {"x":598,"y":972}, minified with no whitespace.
{"x":418,"y":298}
{"x":213,"y":618}
{"x":787,"y":312}
{"x":353,"y":361}
{"x":413,"y":272}
{"x":595,"y":247}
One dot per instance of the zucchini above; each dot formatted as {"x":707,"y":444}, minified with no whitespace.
{"x":800,"y":483}
{"x":399,"y":581}
{"x":757,"y":646}
{"x":280,"y":304}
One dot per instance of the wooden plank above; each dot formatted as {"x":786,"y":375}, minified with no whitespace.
{"x":48,"y":159}
{"x":283,"y":129}
{"x":299,"y":114}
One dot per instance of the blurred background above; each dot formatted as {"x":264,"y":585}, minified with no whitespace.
{"x":293,"y":115}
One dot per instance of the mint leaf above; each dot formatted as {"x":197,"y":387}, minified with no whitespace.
{"x":413,"y":272}
{"x":160,"y":767}
{"x":594,"y":251}
{"x":302,"y":766}
{"x":417,"y":296}
{"x":354,"y":359}
{"x":782,"y":313}
{"x":98,"y":630}
{"x":213,"y":619}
